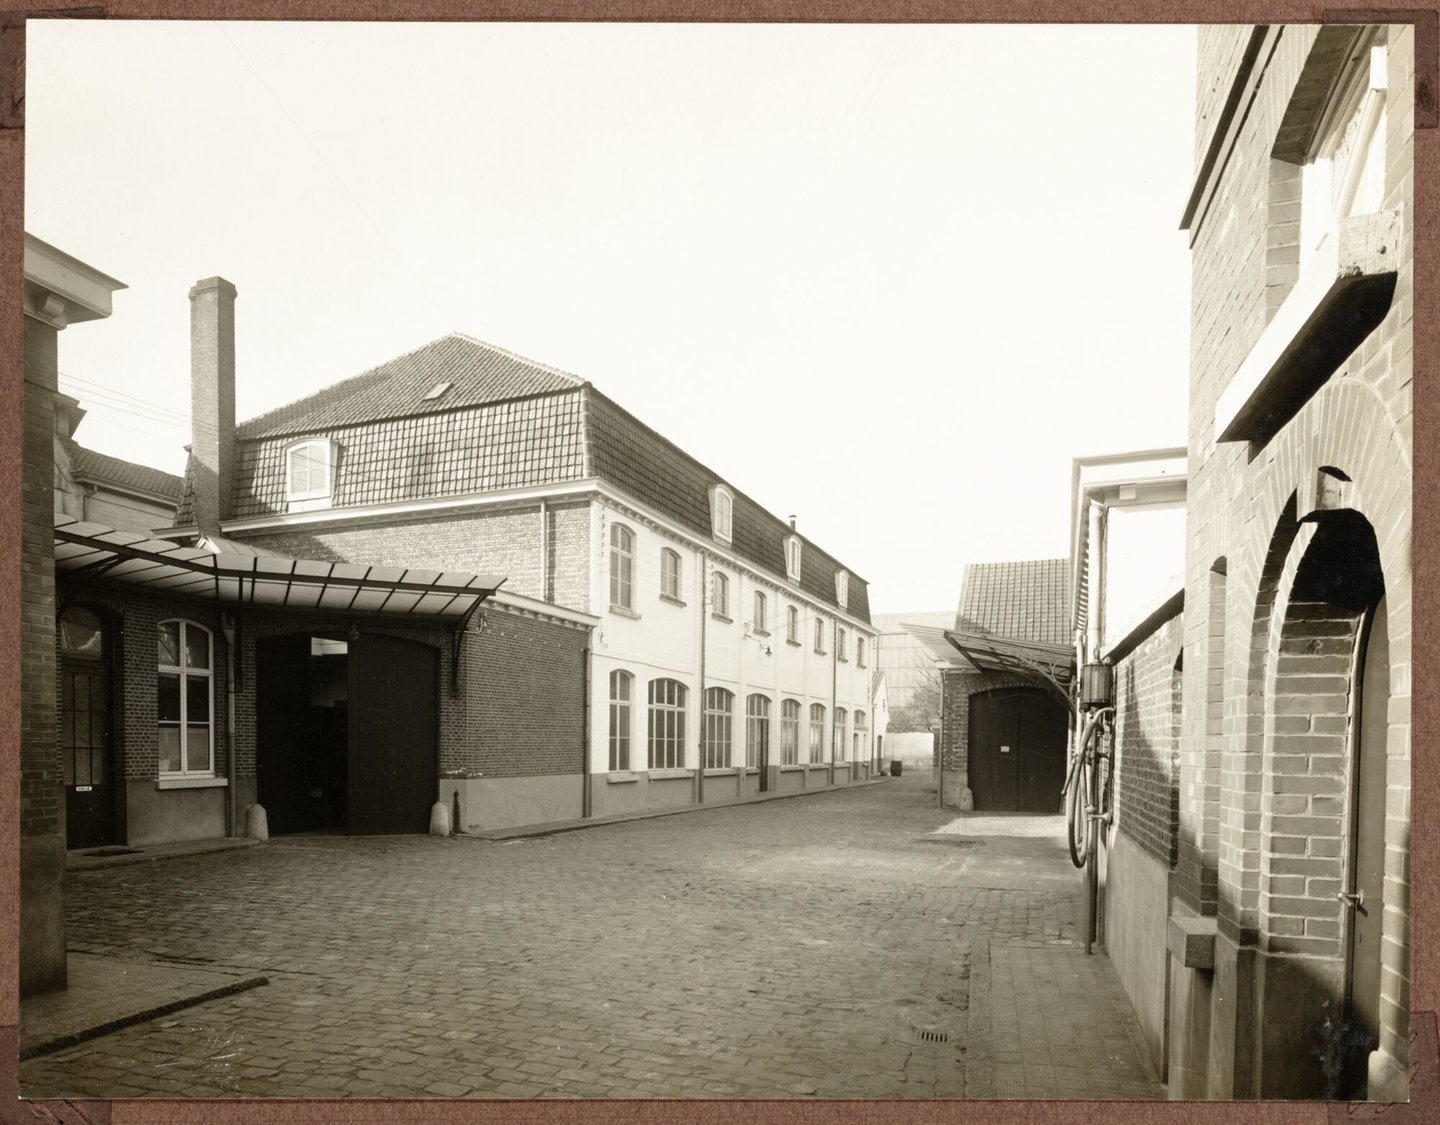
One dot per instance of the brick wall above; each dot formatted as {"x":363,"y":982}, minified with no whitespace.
{"x":956,"y":690}
{"x":40,"y":809}
{"x":1147,"y":719}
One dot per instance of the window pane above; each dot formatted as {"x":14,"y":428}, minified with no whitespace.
{"x":82,"y":767}
{"x":169,"y":749}
{"x":170,"y":643}
{"x":197,"y":647}
{"x":80,"y":635}
{"x":97,"y":762}
{"x":197,"y":748}
{"x":82,"y":692}
{"x":168,"y":709}
{"x":197,"y":699}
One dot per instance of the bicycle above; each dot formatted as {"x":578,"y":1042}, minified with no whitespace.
{"x":1087,"y":785}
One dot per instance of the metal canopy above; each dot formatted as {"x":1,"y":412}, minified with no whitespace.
{"x":161,"y":567}
{"x":1032,"y":659}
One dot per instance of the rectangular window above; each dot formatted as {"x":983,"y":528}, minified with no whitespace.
{"x":860,"y":651}
{"x":757,"y":732}
{"x":622,"y":567}
{"x":839,"y":643}
{"x":820,"y":635}
{"x":839,"y":734}
{"x":183,"y":694}
{"x":792,"y":625}
{"x":719,"y":712}
{"x":721,"y":595}
{"x":760,"y":609}
{"x":817,"y":733}
{"x":670,"y":574}
{"x":790,"y":732}
{"x":666,"y":734}
{"x":622,"y":687}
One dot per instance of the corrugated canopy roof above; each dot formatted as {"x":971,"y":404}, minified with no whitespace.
{"x":1006,"y":654}
{"x":161,"y":567}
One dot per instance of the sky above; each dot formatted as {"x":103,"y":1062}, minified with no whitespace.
{"x":889,"y":279}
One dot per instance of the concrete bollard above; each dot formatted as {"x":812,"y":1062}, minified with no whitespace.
{"x":257,"y":825}
{"x":439,"y":819}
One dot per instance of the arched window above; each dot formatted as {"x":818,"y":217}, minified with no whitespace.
{"x":762,"y":624}
{"x":792,"y":624}
{"x":309,"y":476}
{"x":670,"y":574}
{"x":839,"y":643}
{"x":817,"y":733}
{"x":839,"y":734}
{"x":719,"y":713}
{"x":722,"y":509}
{"x":622,"y":692}
{"x":792,"y":558}
{"x":820,"y":635}
{"x":82,"y":637}
{"x":757,"y":732}
{"x":859,"y":748}
{"x":186,"y":736}
{"x":790,"y":732}
{"x":622,"y":567}
{"x":842,"y":588}
{"x":667,"y":725}
{"x":860,"y":650}
{"x":721,"y":595}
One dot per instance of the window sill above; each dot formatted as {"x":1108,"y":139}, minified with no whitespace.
{"x":792,"y":769}
{"x":621,"y":777}
{"x":793,"y":644}
{"x":843,"y":659}
{"x":621,"y":611}
{"x":1339,"y":299}
{"x":757,"y":631}
{"x":723,"y":618}
{"x":720,"y":771}
{"x":308,"y":504}
{"x":672,"y":600}
{"x":665,"y":774}
{"x":819,"y":651}
{"x":191,"y":782}
{"x":751,"y":770}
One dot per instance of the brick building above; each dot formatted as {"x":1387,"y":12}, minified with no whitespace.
{"x":1005,"y":668}
{"x":95,"y":487}
{"x":730,"y":657}
{"x":1263,"y":784}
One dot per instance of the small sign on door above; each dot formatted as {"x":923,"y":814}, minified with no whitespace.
{"x":1004,"y":749}
{"x":83,"y":788}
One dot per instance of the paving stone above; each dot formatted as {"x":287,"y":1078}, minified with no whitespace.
{"x":789,"y":949}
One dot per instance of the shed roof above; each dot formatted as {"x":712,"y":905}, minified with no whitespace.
{"x":1023,"y":601}
{"x":101,"y":467}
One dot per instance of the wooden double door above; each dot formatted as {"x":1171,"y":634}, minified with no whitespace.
{"x":352,"y":749}
{"x":1017,"y":750}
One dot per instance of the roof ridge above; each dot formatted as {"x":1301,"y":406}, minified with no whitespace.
{"x":576,"y":379}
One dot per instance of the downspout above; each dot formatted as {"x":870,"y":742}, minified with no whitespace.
{"x":586,"y":677}
{"x":227,"y":623}
{"x":834,"y":693}
{"x":545,"y":557}
{"x":700,"y":726}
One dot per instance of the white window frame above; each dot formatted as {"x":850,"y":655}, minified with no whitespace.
{"x":842,"y":588}
{"x":720,"y":594}
{"x":622,"y":567}
{"x":840,"y":642}
{"x":184,"y":673}
{"x":717,"y":731}
{"x":859,"y":735}
{"x":820,"y":636}
{"x":839,"y":734}
{"x":761,"y":622}
{"x":722,"y":513}
{"x":757,"y":724}
{"x":310,"y":497}
{"x":622,"y":719}
{"x":792,"y":558}
{"x":859,"y":651}
{"x":792,"y":624}
{"x":671,"y":572}
{"x":670,"y":713}
{"x":817,"y":734}
{"x":789,"y":732}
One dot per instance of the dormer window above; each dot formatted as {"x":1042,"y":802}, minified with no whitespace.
{"x":309,"y":474}
{"x":437,"y":390}
{"x":792,"y":558}
{"x":722,"y":512}
{"x":842,"y":588}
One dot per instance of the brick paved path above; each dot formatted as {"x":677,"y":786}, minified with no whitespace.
{"x":835,"y":946}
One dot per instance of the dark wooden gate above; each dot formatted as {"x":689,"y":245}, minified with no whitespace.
{"x":282,"y":696}
{"x":394,"y":735}
{"x":1017,"y":750}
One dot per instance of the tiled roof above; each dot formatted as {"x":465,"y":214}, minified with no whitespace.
{"x":655,"y":471}
{"x":477,"y":373}
{"x":1028,"y":601}
{"x":103,"y":468}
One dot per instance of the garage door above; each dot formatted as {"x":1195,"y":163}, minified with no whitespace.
{"x":1017,"y":750}
{"x":394,"y":735}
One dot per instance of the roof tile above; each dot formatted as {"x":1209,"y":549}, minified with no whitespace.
{"x":1027,"y":600}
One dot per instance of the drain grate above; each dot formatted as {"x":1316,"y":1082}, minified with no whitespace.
{"x":934,"y":1037}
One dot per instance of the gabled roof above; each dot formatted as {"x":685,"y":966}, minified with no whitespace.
{"x":476,"y":372}
{"x":1022,"y":601}
{"x":102,"y":468}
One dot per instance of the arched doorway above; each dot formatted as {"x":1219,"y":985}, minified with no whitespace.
{"x":1016,"y":750}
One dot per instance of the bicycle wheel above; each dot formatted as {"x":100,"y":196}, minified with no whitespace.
{"x":1075,"y":820}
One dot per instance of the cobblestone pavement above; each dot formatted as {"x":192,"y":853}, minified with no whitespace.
{"x":834,"y":946}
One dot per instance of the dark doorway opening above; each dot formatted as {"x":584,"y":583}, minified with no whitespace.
{"x":1017,"y":750}
{"x":347,"y":734}
{"x":87,"y":745}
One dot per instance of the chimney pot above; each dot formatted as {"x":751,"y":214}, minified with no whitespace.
{"x":792,"y":523}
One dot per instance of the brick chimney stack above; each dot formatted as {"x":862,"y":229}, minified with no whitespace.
{"x":212,"y":400}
